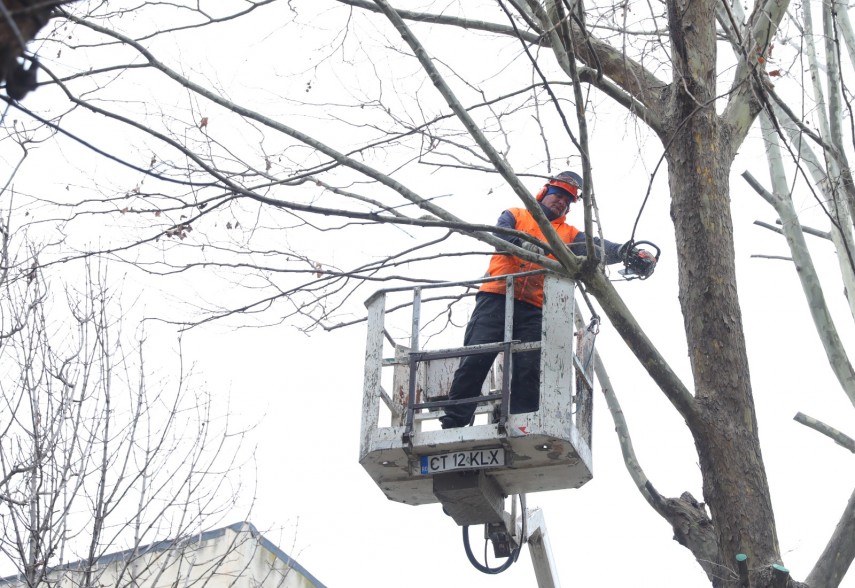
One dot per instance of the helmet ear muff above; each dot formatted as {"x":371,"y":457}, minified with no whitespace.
{"x":542,"y":193}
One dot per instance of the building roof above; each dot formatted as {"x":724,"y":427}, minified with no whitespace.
{"x":167,"y":544}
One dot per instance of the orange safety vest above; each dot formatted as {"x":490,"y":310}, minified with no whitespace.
{"x":530,"y":288}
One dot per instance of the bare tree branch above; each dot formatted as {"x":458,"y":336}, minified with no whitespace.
{"x":837,"y":436}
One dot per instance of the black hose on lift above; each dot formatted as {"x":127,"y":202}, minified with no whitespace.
{"x":481,"y":567}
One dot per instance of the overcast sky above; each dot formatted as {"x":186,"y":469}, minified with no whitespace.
{"x":304,"y":392}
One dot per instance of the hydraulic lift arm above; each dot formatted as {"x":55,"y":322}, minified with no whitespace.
{"x":509,"y":537}
{"x":540,"y":550}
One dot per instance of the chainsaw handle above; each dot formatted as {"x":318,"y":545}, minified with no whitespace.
{"x":652,"y":244}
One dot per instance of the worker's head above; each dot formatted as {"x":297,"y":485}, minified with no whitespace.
{"x":561,"y":191}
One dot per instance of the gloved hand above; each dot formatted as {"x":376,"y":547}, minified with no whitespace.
{"x":532,"y":248}
{"x":626,"y":249}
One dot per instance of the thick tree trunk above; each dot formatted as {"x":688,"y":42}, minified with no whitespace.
{"x":735,"y":485}
{"x":699,"y":154}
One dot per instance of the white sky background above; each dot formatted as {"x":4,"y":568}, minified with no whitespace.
{"x":313,"y":499}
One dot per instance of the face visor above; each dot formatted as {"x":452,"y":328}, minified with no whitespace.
{"x":570,"y":187}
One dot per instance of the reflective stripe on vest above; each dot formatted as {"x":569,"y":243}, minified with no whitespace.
{"x":530,"y":288}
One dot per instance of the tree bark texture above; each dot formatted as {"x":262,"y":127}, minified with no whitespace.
{"x":726,"y":436}
{"x":699,"y":154}
{"x":700,"y":146}
{"x":841,"y":546}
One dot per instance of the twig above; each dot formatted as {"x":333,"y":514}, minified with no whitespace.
{"x":810,"y":231}
{"x":838,"y":437}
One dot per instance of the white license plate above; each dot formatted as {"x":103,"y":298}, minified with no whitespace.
{"x":472,"y":459}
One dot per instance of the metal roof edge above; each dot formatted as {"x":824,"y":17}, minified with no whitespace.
{"x":165,"y":544}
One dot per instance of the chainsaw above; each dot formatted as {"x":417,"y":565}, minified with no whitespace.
{"x":638,"y":264}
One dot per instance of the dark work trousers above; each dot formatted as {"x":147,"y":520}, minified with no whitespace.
{"x":487,"y":325}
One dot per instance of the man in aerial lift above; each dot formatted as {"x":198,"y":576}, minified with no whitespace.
{"x":486,"y":325}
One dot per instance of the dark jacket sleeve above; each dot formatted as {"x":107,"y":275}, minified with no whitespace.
{"x":507,"y":221}
{"x":612,"y":249}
